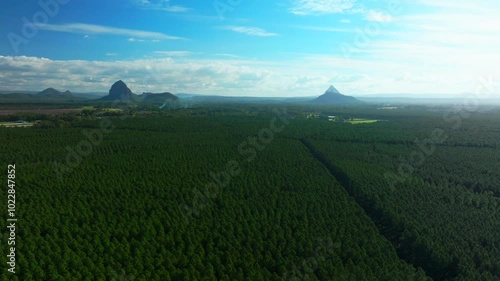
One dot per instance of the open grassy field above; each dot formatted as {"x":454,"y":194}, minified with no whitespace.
{"x":362,"y":121}
{"x":53,"y":111}
{"x":13,"y":124}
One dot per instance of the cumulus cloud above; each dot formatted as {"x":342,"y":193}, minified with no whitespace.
{"x":174,"y":53}
{"x":327,"y":7}
{"x":166,"y":74}
{"x":378,"y":16}
{"x":389,"y":69}
{"x":232,"y":76}
{"x":163,"y":5}
{"x":82,"y":28}
{"x":321,"y":7}
{"x":253,"y":31}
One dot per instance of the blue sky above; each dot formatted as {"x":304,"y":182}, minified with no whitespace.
{"x":417,"y":48}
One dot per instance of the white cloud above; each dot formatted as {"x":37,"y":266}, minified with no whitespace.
{"x":163,"y":5}
{"x":226,"y":77}
{"x":321,"y":7}
{"x":132,"y":39}
{"x":325,"y":7}
{"x":465,"y":39}
{"x":253,"y":31}
{"x":82,"y":28}
{"x":445,"y":48}
{"x":229,"y":76}
{"x":442,"y":51}
{"x":327,"y":29}
{"x":483,"y":7}
{"x":232,"y":56}
{"x":378,"y":16}
{"x":391,"y":69}
{"x":174,"y":53}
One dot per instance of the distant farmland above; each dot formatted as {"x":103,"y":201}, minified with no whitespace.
{"x":362,"y":121}
{"x":14,"y":124}
{"x":55,"y":111}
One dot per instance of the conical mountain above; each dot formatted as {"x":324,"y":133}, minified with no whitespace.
{"x":333,"y":96}
{"x":333,"y":90}
{"x":120,"y":91}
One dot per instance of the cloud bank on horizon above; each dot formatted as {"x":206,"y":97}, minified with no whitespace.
{"x":251,"y":48}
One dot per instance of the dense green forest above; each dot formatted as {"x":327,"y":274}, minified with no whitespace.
{"x":254,"y":192}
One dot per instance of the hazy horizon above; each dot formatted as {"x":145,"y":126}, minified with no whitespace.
{"x":293,"y":48}
{"x":242,"y":95}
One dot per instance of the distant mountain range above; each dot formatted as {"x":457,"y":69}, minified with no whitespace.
{"x":198,"y":99}
{"x":120,"y":92}
{"x":331,"y":97}
{"x":53,"y":93}
{"x":46,"y":96}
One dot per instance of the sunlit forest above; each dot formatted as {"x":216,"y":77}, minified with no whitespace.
{"x":256,"y":192}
